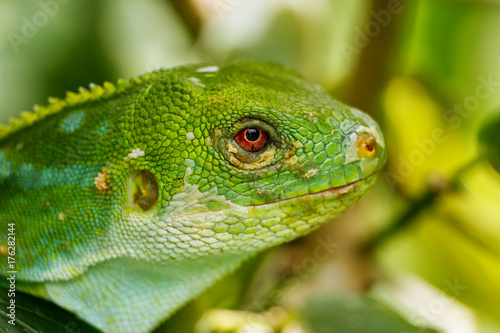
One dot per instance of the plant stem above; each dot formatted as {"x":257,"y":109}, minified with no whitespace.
{"x":419,"y":205}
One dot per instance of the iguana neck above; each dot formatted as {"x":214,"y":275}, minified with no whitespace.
{"x":134,"y":295}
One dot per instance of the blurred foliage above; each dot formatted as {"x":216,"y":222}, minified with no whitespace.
{"x":427,"y":70}
{"x":353,"y":314}
{"x":490,"y":140}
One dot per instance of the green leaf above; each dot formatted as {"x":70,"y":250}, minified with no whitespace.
{"x":34,"y":315}
{"x":489,"y":137}
{"x":353,"y":314}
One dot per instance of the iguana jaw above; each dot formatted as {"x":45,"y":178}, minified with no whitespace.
{"x":330,"y":193}
{"x":336,"y":191}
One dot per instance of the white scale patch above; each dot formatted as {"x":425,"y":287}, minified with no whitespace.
{"x":208,"y":69}
{"x":310,"y":173}
{"x":189,"y":137}
{"x":136,"y":153}
{"x":196,"y":81}
{"x":189,"y":208}
{"x":189,"y":163}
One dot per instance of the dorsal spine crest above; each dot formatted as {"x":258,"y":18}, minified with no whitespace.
{"x":55,"y":105}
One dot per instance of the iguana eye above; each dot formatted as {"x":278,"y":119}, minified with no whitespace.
{"x":252,"y":139}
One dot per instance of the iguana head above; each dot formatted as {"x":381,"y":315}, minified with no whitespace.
{"x":243,"y":157}
{"x":213,"y":164}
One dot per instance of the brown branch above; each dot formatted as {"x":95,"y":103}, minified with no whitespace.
{"x":187,"y":12}
{"x":377,"y":57}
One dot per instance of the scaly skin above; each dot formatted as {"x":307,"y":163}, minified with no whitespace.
{"x":130,"y":200}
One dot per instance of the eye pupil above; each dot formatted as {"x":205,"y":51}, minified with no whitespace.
{"x":252,"y":139}
{"x":252,"y":134}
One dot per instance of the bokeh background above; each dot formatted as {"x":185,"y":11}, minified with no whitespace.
{"x":424,"y":244}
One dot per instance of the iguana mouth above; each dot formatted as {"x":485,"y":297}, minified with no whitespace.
{"x":338,"y":191}
{"x":333,"y":192}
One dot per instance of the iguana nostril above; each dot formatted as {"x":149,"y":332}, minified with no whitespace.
{"x":367,"y":145}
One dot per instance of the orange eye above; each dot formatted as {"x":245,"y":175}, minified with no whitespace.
{"x":252,"y":139}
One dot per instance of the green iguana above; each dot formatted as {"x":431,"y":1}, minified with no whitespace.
{"x":129,"y":200}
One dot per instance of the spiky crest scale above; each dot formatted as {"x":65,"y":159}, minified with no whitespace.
{"x":55,"y":105}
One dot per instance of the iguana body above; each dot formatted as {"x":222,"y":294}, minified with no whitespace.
{"x":130,"y":200}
